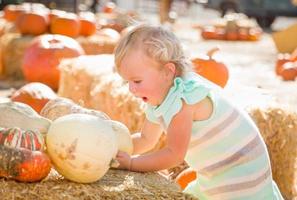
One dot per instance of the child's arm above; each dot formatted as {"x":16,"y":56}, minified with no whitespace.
{"x":149,"y":136}
{"x":178,"y":137}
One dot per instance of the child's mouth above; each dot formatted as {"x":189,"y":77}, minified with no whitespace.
{"x":144,"y":99}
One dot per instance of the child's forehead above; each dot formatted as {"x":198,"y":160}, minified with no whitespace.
{"x":136,"y":62}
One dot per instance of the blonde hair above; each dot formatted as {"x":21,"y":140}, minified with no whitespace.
{"x":157,"y":42}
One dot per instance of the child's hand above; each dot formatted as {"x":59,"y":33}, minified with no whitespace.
{"x":124,"y":159}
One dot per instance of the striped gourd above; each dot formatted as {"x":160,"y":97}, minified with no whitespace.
{"x":18,"y":138}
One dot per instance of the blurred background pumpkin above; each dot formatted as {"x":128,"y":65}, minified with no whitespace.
{"x":43,"y":55}
{"x":211,"y":69}
{"x":34,"y":94}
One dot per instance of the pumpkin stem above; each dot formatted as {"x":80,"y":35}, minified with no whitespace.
{"x":212,"y":51}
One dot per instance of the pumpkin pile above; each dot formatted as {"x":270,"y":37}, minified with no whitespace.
{"x":44,"y":20}
{"x":233,"y":27}
{"x":96,"y":34}
{"x":286,"y":65}
{"x":80,"y":143}
{"x":82,"y":146}
{"x":55,"y":21}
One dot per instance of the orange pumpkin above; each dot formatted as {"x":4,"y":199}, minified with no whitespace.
{"x":12,"y":12}
{"x":109,"y":7}
{"x":67,"y":24}
{"x":87,"y":24}
{"x":220,"y":33}
{"x":43,"y":55}
{"x":289,"y":71}
{"x":38,"y":23}
{"x":54,"y":14}
{"x":34,"y":94}
{"x":209,"y":32}
{"x":185,"y":177}
{"x":282,"y":58}
{"x":211,"y":69}
{"x":232,"y":36}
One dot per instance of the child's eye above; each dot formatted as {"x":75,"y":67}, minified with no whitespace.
{"x":138,"y":81}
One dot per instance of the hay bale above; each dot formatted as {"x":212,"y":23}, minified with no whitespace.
{"x":279,"y":130}
{"x":98,"y":44}
{"x":78,"y":74}
{"x":13,"y":47}
{"x":116,"y":184}
{"x":111,"y":95}
{"x":91,"y":82}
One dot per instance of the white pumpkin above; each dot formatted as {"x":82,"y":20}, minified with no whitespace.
{"x":123,"y":136}
{"x":81,"y":147}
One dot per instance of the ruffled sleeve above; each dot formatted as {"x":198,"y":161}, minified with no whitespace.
{"x":150,"y":115}
{"x":191,"y":91}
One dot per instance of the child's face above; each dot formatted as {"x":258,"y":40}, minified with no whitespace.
{"x":147,"y":79}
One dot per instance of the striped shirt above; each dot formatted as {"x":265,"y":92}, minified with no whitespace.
{"x":227,"y":149}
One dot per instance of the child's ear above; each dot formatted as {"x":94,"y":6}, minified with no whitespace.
{"x":171,"y":69}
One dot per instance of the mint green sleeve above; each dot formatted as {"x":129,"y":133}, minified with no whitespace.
{"x":189,"y":91}
{"x":150,"y":115}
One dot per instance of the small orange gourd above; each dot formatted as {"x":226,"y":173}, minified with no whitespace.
{"x":289,"y":71}
{"x":282,"y":58}
{"x":186,"y":177}
{"x":212,"y":70}
{"x":208,"y":32}
{"x":109,"y":7}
